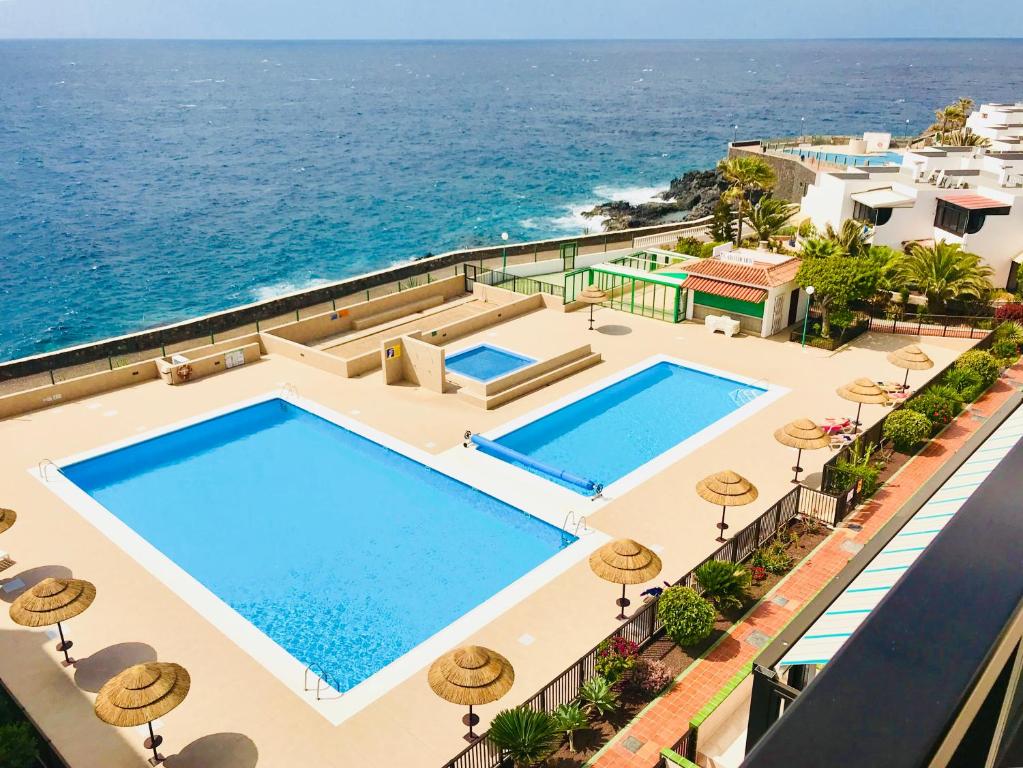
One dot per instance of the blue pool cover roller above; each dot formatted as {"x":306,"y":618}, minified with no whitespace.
{"x":495,"y":449}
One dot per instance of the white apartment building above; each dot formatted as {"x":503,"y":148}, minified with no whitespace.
{"x":967,"y":195}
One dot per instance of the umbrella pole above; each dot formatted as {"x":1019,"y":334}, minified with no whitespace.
{"x":859,"y":407}
{"x":470,"y":720}
{"x":64,"y":646}
{"x":622,"y":602}
{"x":591,"y":317}
{"x":797,"y":468}
{"x":905,"y":381}
{"x":152,"y":743}
{"x":722,"y":526}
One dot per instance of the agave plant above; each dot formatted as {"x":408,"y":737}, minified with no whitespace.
{"x":570,"y":718}
{"x":598,"y":697}
{"x":525,"y":735}
{"x":962,"y":137}
{"x":723,"y":583}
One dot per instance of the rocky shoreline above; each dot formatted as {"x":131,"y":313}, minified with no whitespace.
{"x":692,"y":195}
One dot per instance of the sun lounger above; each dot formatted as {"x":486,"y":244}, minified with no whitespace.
{"x":5,"y":561}
{"x":838,"y":427}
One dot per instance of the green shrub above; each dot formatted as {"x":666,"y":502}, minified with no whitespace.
{"x":687,"y":617}
{"x":19,"y":747}
{"x":807,"y":229}
{"x":906,"y":429}
{"x":981,"y":363}
{"x":569,"y":719}
{"x":707,"y":249}
{"x":528,"y":736}
{"x":937,"y":409}
{"x":725,"y":584}
{"x":690,"y":246}
{"x":598,"y":697}
{"x":773,"y":558}
{"x":967,"y":383}
{"x":1005,"y":349}
{"x":615,"y":657}
{"x":951,"y":394}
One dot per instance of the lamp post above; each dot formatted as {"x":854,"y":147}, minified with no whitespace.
{"x":806,"y":317}
{"x":802,"y":129}
{"x":735,"y":133}
{"x":504,"y":251}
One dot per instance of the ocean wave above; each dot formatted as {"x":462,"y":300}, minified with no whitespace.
{"x":631,"y":195}
{"x":276,"y":290}
{"x":571,"y":219}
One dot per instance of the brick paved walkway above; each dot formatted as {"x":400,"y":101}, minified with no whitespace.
{"x":665,"y":720}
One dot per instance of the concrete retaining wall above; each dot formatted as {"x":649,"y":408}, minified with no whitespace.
{"x":793,"y":176}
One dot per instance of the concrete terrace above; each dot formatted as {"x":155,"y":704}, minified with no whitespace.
{"x":238,"y":712}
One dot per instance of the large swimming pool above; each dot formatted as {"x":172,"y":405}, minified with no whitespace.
{"x":345,"y":553}
{"x":615,"y":430}
{"x":844,"y":159}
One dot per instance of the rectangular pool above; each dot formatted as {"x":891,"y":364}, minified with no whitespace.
{"x":345,"y":553}
{"x":485,"y":362}
{"x":613,"y":431}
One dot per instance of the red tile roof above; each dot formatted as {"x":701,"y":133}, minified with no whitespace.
{"x":760,"y":275}
{"x":728,"y":290}
{"x":972,"y":202}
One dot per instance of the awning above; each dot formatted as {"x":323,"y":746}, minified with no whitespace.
{"x":727,"y":290}
{"x":1018,"y":258}
{"x":884,"y":198}
{"x":852,"y":607}
{"x":973,"y":202}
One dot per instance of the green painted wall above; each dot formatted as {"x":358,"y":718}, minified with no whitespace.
{"x":729,"y":305}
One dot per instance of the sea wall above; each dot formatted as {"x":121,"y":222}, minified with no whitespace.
{"x":792,"y":176}
{"x":246,"y":319}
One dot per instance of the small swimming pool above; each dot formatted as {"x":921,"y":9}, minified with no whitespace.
{"x":662,"y":409}
{"x":841,"y":158}
{"x":345,"y":553}
{"x":485,"y":362}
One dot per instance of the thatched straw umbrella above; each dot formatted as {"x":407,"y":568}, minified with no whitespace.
{"x":623,"y":561}
{"x":139,"y":695}
{"x":52,"y":601}
{"x":471,"y":675}
{"x":591,"y":295}
{"x":862,"y":391}
{"x":912,"y":358}
{"x":7,"y":519}
{"x":802,"y":434}
{"x":729,"y":489}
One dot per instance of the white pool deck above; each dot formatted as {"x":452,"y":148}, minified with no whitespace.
{"x":241,"y":713}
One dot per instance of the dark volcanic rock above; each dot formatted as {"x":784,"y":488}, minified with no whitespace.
{"x":691,"y":196}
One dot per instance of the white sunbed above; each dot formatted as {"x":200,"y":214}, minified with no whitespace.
{"x":723,"y":323}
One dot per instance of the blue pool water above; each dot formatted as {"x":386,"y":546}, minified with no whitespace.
{"x":485,"y":362}
{"x":608,"y":434}
{"x":339,"y":549}
{"x":841,"y":158}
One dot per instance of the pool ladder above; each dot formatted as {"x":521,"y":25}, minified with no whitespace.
{"x":323,"y":678}
{"x":743,"y":395}
{"x":44,"y":470}
{"x":288,"y":390}
{"x":575,"y":524}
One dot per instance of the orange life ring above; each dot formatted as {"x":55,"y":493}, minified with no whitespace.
{"x":184,"y":372}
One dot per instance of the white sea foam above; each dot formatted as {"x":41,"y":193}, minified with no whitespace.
{"x":572,"y":219}
{"x":275,"y":290}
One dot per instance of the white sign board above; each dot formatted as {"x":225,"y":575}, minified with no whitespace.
{"x":877,"y":141}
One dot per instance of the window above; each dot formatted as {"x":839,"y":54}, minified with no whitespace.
{"x":875,"y":216}
{"x":952,"y":218}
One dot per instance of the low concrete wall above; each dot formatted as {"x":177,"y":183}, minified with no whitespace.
{"x":536,"y":369}
{"x":333,"y":322}
{"x":303,"y":354}
{"x":73,"y":389}
{"x":464,"y":327}
{"x":207,"y":365}
{"x":232,"y":319}
{"x":406,"y":358}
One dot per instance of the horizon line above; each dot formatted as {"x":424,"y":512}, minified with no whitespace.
{"x":69,"y":38}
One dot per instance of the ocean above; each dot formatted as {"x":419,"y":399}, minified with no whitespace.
{"x":146,"y":182}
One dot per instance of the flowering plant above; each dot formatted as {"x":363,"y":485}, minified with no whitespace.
{"x":651,"y":676}
{"x":758,"y":572}
{"x":615,"y":657}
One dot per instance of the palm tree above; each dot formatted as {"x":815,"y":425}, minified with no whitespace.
{"x":965,"y":107}
{"x":526,"y":735}
{"x":851,"y":236}
{"x":944,"y":271}
{"x":821,"y":247}
{"x":769,"y":215}
{"x":745,"y":175}
{"x":950,"y":115}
